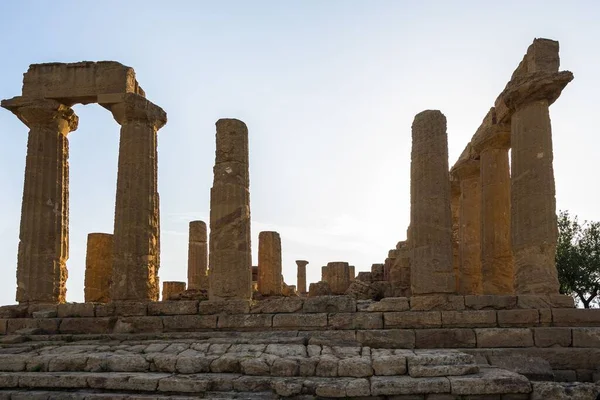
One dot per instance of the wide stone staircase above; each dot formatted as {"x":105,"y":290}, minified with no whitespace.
{"x":319,"y":348}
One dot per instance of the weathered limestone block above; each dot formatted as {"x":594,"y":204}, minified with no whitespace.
{"x":324,"y":274}
{"x":79,"y":82}
{"x":136,"y":251}
{"x":301,"y":278}
{"x":338,"y":276}
{"x":490,"y":381}
{"x":329,"y":304}
{"x":533,"y":203}
{"x":558,"y":390}
{"x":432,"y":363}
{"x":320,"y":288}
{"x":534,"y":368}
{"x":270,"y":282}
{"x":172,"y":288}
{"x":362,"y":290}
{"x":44,"y":231}
{"x":364,"y":276}
{"x":98,"y":267}
{"x":352,"y":272}
{"x":198,"y":256}
{"x":469,"y":280}
{"x":496,"y":256}
{"x":399,"y":274}
{"x":288,"y":290}
{"x":431,"y":219}
{"x":230,"y":256}
{"x":377,"y":272}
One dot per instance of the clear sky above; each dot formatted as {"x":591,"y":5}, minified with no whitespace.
{"x":328,"y":90}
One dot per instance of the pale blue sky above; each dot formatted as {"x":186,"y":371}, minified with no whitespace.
{"x":328,"y":90}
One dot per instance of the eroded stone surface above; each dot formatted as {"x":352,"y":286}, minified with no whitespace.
{"x":230,"y":256}
{"x":431,"y":219}
{"x":197,"y":256}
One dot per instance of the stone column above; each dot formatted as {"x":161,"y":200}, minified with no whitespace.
{"x":455,"y":209}
{"x":533,"y":204}
{"x":301,"y":279}
{"x":339,"y":276}
{"x":172,"y":288}
{"x":197,"y":256}
{"x":136,"y":234}
{"x":430,"y":216}
{"x":324,"y":274}
{"x":469,"y":281}
{"x":230,"y":255}
{"x":44,"y":231}
{"x":351,"y":272}
{"x":98,"y":267}
{"x":496,"y":257}
{"x":254,"y":278}
{"x":270,"y":281}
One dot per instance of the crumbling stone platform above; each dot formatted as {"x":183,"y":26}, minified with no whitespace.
{"x":494,"y":347}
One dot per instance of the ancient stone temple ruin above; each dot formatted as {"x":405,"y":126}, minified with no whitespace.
{"x":465,"y":307}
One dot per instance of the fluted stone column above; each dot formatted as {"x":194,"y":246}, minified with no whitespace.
{"x":431,"y":218}
{"x":197,"y":256}
{"x":324,"y":274}
{"x":533,"y":204}
{"x":270,"y":281}
{"x":136,"y":234}
{"x":338,"y":276}
{"x":496,"y":256}
{"x":98,"y":267}
{"x":534,"y":225}
{"x":455,"y":209}
{"x":230,"y":255}
{"x":172,"y":288}
{"x":351,"y":272}
{"x":301,"y":278}
{"x":44,"y":231}
{"x":469,"y":281}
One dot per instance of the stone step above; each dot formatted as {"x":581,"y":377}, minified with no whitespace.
{"x":23,"y":394}
{"x":488,"y":381}
{"x":249,"y":359}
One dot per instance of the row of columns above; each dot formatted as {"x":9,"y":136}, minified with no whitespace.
{"x":44,"y":237}
{"x":506,"y":213}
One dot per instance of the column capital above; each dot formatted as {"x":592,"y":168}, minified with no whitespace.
{"x":301,"y":263}
{"x":534,"y":86}
{"x":130,"y":107}
{"x":43,"y":112}
{"x":496,"y":136}
{"x":466,"y":169}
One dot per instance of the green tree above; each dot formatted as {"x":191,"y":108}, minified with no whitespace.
{"x":578,"y":258}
